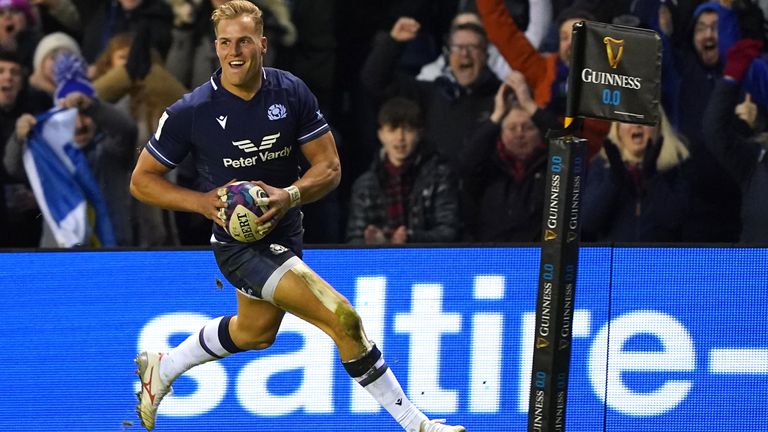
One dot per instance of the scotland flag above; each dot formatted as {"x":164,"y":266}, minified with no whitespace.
{"x":65,"y":189}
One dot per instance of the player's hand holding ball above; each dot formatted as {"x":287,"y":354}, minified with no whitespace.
{"x":254,"y":208}
{"x":245,"y":202}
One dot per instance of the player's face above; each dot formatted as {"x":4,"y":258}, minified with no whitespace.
{"x":398,"y":142}
{"x":240,"y":49}
{"x":518,"y":133}
{"x":705,"y":38}
{"x":467,"y":56}
{"x":10,"y":83}
{"x":634,"y":138}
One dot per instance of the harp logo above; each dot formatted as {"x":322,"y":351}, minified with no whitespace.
{"x":614,"y":49}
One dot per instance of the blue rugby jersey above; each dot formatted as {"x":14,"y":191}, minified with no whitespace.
{"x":231,"y":138}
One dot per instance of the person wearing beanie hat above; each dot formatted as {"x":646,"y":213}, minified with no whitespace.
{"x":70,"y":76}
{"x":48,"y":50}
{"x":105,"y":136}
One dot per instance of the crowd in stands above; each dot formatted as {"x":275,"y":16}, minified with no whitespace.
{"x":439,"y":109}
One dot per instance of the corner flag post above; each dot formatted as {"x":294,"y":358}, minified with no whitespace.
{"x":612,"y":77}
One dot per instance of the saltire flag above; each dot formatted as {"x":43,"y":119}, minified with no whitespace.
{"x":64,"y":186}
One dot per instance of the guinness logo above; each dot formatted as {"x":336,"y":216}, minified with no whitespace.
{"x":549,"y":235}
{"x":541,"y":343}
{"x":614,"y":48}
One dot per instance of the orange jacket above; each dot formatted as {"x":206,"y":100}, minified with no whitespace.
{"x":540,"y":70}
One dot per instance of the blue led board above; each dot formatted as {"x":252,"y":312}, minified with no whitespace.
{"x":663,"y":339}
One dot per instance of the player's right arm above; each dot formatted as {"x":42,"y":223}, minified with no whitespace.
{"x":149,"y":185}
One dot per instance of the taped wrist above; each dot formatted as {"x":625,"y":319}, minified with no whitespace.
{"x":294,"y":194}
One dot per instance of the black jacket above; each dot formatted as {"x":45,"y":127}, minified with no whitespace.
{"x":742,"y":156}
{"x":504,"y":210}
{"x":452,"y":112}
{"x":432,"y":208}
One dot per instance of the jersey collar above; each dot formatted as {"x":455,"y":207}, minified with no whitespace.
{"x":216,"y":79}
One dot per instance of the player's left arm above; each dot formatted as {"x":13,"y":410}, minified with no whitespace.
{"x":322,"y":177}
{"x":324,"y":174}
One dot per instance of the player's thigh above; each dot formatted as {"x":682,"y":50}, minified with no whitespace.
{"x":258,"y":318}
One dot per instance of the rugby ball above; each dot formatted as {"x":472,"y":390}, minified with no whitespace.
{"x":241,"y":212}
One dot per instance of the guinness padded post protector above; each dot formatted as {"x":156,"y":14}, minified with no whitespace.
{"x":615,"y":74}
{"x":557,"y":282}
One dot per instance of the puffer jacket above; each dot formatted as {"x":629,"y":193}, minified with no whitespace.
{"x":432,"y":206}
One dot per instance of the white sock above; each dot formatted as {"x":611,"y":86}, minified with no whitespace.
{"x":372,"y":372}
{"x":212,"y":342}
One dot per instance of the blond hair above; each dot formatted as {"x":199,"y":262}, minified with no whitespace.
{"x":673,"y":150}
{"x":236,"y":8}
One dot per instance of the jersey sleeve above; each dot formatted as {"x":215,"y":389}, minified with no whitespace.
{"x":171,"y":143}
{"x":312,"y":123}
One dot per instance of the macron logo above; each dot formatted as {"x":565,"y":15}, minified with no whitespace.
{"x":248,"y":146}
{"x":222,"y":121}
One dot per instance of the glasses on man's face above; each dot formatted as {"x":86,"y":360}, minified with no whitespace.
{"x":705,"y":28}
{"x":469,"y":48}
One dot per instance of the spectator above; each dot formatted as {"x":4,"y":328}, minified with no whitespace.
{"x":122,"y":70}
{"x":505,"y":164}
{"x":58,"y":16}
{"x":736,"y":135}
{"x":18,"y":32}
{"x":47,"y":50}
{"x":689,"y":74}
{"x":545,"y":73}
{"x":104,"y":135}
{"x":408,"y":195}
{"x":131,"y":74}
{"x":152,"y":18}
{"x":496,"y":62}
{"x":635,"y":188}
{"x":19,"y":214}
{"x":455,"y":104}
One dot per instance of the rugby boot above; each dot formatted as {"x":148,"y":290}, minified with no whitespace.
{"x":153,"y":389}
{"x":439,"y":426}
